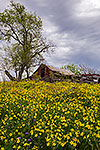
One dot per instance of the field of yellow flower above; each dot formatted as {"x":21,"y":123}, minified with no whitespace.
{"x":49,"y":116}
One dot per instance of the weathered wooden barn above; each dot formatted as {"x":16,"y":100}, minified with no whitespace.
{"x":49,"y":73}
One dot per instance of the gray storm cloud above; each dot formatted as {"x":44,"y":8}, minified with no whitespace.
{"x":72,"y":26}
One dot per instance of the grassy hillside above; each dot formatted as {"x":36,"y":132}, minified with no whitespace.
{"x":49,"y":116}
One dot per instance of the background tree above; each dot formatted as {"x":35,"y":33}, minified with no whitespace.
{"x":73,"y":68}
{"x":26,"y":45}
{"x":81,"y":69}
{"x":85,"y":69}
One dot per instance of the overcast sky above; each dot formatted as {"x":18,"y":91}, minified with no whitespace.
{"x":73,"y":25}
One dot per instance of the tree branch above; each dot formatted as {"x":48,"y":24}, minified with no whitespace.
{"x":17,"y":38}
{"x":10,"y":36}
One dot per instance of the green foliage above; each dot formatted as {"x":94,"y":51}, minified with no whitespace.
{"x":23,"y":32}
{"x":74,"y":68}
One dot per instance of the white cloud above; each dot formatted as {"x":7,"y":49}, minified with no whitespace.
{"x":49,"y":27}
{"x":88,"y":8}
{"x":3,"y":4}
{"x":41,"y":3}
{"x":67,"y":44}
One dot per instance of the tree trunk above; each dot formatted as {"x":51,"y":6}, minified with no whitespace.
{"x":16,"y":73}
{"x":10,"y":76}
{"x":27,"y":73}
{"x":20,"y":73}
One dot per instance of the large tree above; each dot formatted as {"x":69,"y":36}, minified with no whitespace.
{"x":23,"y":32}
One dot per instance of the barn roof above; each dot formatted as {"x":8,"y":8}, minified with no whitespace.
{"x":61,"y":71}
{"x":55,"y":69}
